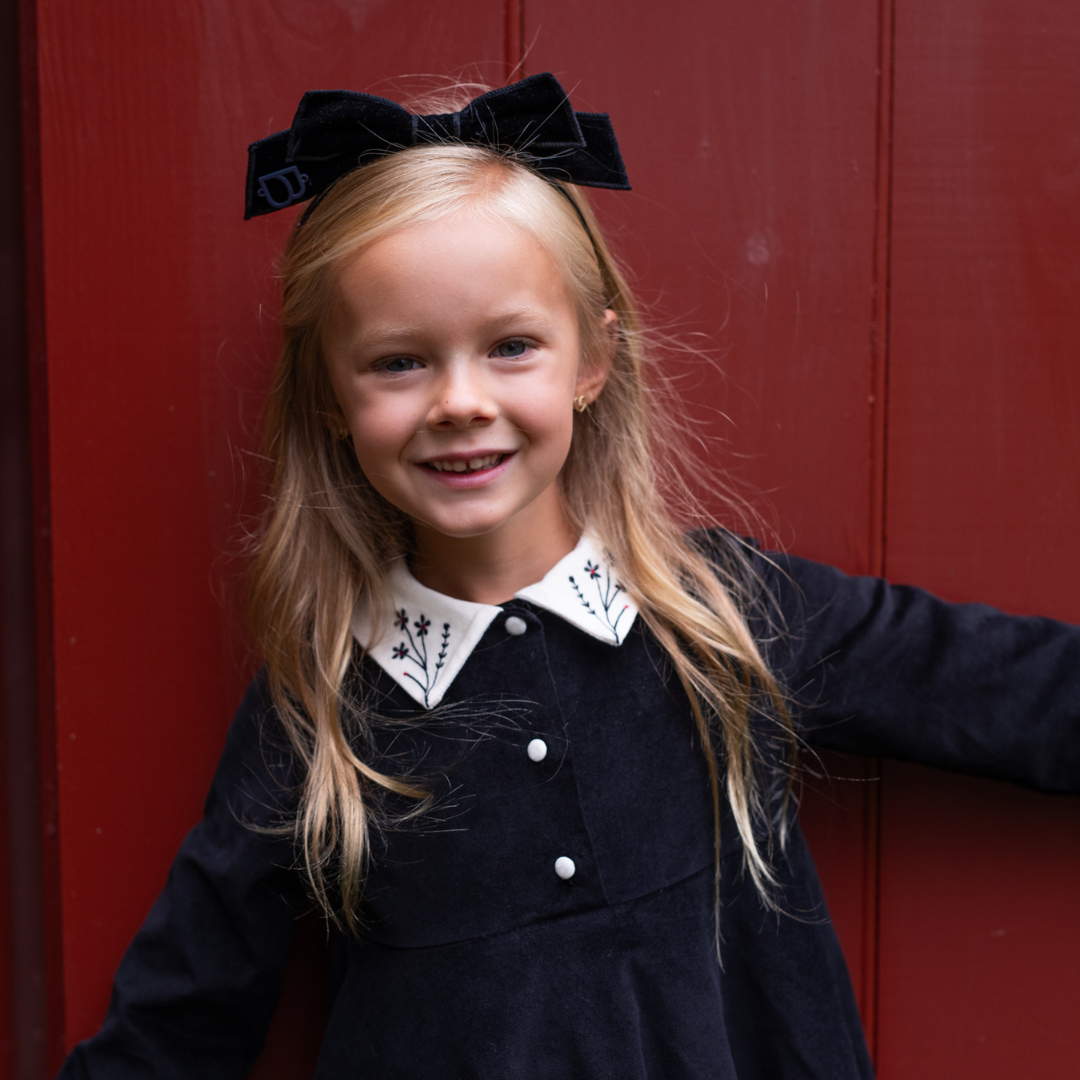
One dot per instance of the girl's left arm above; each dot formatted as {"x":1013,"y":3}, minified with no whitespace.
{"x":892,"y":671}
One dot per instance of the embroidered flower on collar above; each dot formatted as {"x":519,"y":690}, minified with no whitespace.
{"x":607,"y":594}
{"x":582,"y":588}
{"x":424,"y":671}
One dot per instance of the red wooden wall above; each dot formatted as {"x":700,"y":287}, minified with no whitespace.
{"x":871,"y":210}
{"x":983,"y":501}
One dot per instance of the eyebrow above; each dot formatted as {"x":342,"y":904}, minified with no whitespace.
{"x":379,"y":335}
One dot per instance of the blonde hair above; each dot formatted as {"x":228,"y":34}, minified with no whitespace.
{"x":328,"y":536}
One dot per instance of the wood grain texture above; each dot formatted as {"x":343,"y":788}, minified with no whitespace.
{"x":978,"y":941}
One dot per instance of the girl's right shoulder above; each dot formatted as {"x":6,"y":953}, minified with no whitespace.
{"x":258,"y":776}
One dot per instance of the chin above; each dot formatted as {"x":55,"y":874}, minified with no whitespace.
{"x":460,"y":529}
{"x":466,"y":532}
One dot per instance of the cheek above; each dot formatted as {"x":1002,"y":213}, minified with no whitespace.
{"x":549,"y":427}
{"x":380,"y":431}
{"x":544,"y":414}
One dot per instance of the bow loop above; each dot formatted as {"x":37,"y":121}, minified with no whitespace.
{"x":528,"y":116}
{"x":335,"y":131}
{"x":329,"y":123}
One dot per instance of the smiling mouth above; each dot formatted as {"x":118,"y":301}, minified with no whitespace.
{"x":468,"y":465}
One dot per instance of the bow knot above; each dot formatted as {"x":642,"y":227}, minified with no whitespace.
{"x":335,"y":131}
{"x":439,"y":127}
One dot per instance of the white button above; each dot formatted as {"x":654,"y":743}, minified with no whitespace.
{"x":565,"y":867}
{"x":516,"y":626}
{"x":537,"y":750}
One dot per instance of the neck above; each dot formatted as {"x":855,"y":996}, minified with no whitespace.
{"x":489,"y":569}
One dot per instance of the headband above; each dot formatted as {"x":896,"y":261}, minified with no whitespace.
{"x":336,"y":131}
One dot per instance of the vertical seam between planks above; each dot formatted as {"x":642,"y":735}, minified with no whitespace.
{"x":514,"y":38}
{"x":54,"y":1022}
{"x":878,"y":524}
{"x":882,"y":281}
{"x":521,"y":39}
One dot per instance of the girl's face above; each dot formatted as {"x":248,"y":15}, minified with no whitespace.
{"x":454,"y":355}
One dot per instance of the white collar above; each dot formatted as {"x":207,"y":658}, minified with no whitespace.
{"x":432,"y":635}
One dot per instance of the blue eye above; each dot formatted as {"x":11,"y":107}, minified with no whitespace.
{"x":400,"y":364}
{"x":508,"y":350}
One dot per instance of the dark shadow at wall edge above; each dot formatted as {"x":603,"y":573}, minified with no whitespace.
{"x":31,"y":1024}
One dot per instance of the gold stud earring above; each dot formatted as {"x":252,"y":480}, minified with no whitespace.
{"x":581,"y":403}
{"x":341,"y":431}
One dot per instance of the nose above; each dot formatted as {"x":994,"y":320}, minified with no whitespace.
{"x":462,"y":398}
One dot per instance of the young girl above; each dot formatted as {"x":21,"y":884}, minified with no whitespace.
{"x":527,"y":744}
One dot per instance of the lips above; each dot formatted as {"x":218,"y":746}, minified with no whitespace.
{"x":477,"y":463}
{"x":467,"y":471}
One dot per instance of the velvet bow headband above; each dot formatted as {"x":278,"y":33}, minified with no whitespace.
{"x":335,"y":131}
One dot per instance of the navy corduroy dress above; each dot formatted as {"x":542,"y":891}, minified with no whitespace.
{"x":481,"y":957}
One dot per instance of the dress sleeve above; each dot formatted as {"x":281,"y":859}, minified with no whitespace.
{"x":196,"y":989}
{"x":892,"y":671}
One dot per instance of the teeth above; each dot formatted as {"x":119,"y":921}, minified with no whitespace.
{"x":472,"y":465}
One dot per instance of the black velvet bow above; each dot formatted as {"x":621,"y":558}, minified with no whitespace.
{"x":334,"y":131}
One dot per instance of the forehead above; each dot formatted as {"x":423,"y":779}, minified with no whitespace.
{"x":464,"y":257}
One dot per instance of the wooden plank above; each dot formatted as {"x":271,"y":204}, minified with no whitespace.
{"x":978,"y":942}
{"x":750,"y":135}
{"x":19,"y":834}
{"x":984,"y":497}
{"x":159,"y":302}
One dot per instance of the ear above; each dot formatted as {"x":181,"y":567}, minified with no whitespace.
{"x":594,"y":375}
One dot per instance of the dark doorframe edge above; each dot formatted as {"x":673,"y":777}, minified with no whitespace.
{"x":35,"y":1023}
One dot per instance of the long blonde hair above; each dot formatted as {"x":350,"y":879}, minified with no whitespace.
{"x":328,"y":536}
